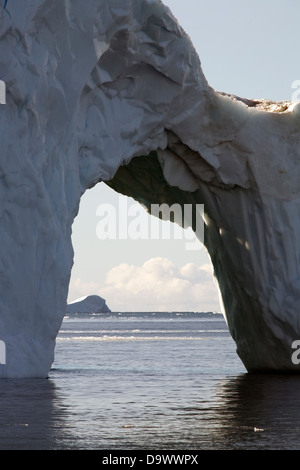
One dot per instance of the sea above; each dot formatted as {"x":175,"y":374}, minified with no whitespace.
{"x":151,"y":382}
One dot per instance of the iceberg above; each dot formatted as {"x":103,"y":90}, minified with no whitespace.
{"x":114,"y":91}
{"x":88,"y":304}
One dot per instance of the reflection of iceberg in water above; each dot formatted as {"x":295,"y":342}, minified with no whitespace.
{"x":259,"y":411}
{"x":32,"y":415}
{"x":246,"y":412}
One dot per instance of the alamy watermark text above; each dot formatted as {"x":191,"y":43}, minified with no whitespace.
{"x":296,"y":93}
{"x":131,"y":221}
{"x":2,"y":92}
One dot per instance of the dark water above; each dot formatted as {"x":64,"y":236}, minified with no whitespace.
{"x":149,"y":381}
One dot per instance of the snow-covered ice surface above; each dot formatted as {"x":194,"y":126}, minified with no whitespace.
{"x":89,"y":86}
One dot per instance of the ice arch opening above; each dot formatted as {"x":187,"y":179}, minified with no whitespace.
{"x":136,"y":261}
{"x":115,"y":92}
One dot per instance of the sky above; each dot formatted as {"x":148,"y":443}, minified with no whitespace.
{"x":247,"y":48}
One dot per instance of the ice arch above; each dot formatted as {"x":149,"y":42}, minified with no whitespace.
{"x":113,"y":91}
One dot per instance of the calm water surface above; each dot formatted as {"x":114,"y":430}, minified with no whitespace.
{"x":149,"y":381}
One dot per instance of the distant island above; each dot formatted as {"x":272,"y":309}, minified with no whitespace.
{"x":88,"y":304}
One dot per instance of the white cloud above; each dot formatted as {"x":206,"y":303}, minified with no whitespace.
{"x":158,"y":285}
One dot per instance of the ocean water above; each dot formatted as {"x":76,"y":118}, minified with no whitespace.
{"x":149,"y":381}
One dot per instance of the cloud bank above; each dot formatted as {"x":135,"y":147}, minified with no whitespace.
{"x":158,"y":285}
